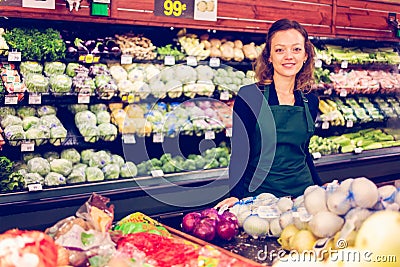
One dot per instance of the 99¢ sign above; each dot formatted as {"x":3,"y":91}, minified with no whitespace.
{"x":174,"y":8}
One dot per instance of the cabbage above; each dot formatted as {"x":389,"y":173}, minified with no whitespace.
{"x":72,"y":155}
{"x":117,"y":159}
{"x":33,"y":178}
{"x":60,"y":83}
{"x":50,"y":121}
{"x":86,"y":118}
{"x":98,"y":107}
{"x":111,"y":171}
{"x":27,"y":67}
{"x":27,"y":156}
{"x":73,"y":68}
{"x":90,"y":133}
{"x":58,"y":135}
{"x":30,"y":121}
{"x":39,"y":165}
{"x":54,"y":179}
{"x":54,"y":68}
{"x":11,"y":120}
{"x":100,"y":159}
{"x":125,"y":87}
{"x":77,"y":174}
{"x":46,"y":110}
{"x":26,"y":111}
{"x":86,"y":155}
{"x":118,"y":73}
{"x":36,"y":83}
{"x":141,"y":88}
{"x":184,"y":73}
{"x":103,"y":117}
{"x":152,"y":72}
{"x":108,"y":131}
{"x":128,"y":170}
{"x":51,"y":155}
{"x":94,"y":174}
{"x":14,"y":132}
{"x":136,"y":75}
{"x":4,"y":111}
{"x":61,"y":166}
{"x":167,"y":74}
{"x":75,"y":108}
{"x":204,"y":72}
{"x":40,"y":134}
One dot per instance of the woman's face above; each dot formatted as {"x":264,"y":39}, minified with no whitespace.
{"x":287,"y":53}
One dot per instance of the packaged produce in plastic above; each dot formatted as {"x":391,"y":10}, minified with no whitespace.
{"x":60,"y":83}
{"x":54,"y":179}
{"x":51,"y":68}
{"x":36,"y":83}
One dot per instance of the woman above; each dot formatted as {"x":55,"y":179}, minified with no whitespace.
{"x":274,"y":119}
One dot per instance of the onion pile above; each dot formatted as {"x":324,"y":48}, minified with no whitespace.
{"x":209,"y":224}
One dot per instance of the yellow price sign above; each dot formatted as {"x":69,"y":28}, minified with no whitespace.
{"x":174,"y":8}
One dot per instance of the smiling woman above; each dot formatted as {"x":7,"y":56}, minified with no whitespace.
{"x":273,"y":119}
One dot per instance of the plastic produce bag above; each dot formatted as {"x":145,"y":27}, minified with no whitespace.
{"x":94,"y":174}
{"x":117,"y":159}
{"x":36,"y":83}
{"x":11,"y":120}
{"x":90,"y":133}
{"x":54,"y":179}
{"x":75,"y":108}
{"x":50,"y":155}
{"x":86,"y":155}
{"x":56,"y":67}
{"x":108,"y":131}
{"x":86,"y":118}
{"x":58,"y":135}
{"x":71,"y":154}
{"x":103,"y":117}
{"x":111,"y":171}
{"x":100,"y":159}
{"x":39,"y":165}
{"x":40,"y":134}
{"x":60,"y":83}
{"x":14,"y":134}
{"x":27,"y":67}
{"x":26,"y":111}
{"x":50,"y":121}
{"x":30,"y":121}
{"x":128,"y":170}
{"x":61,"y":166}
{"x":33,"y":178}
{"x":78,"y":174}
{"x":46,"y":110}
{"x":96,"y":108}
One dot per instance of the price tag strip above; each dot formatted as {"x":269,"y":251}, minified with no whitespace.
{"x":215,"y":62}
{"x":35,"y":99}
{"x":11,"y":99}
{"x":349,"y":124}
{"x":325,"y":125}
{"x":27,"y":146}
{"x":316,"y":155}
{"x":34,"y":187}
{"x":210,"y":135}
{"x":158,"y":138}
{"x":169,"y":60}
{"x":126,"y":59}
{"x":89,"y":58}
{"x":157,"y":173}
{"x":14,"y":56}
{"x":224,"y":95}
{"x":129,"y":139}
{"x":191,"y":61}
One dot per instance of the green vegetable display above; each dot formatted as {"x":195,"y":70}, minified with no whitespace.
{"x":128,"y":170}
{"x":36,"y":44}
{"x":39,"y":165}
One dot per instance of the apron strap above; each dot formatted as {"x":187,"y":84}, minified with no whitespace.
{"x":266,"y":92}
{"x":309,"y":119}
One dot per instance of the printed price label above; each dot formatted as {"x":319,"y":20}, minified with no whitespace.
{"x":129,"y":139}
{"x":209,"y":135}
{"x":191,"y":61}
{"x":343,"y":92}
{"x":228,"y":132}
{"x":169,"y":60}
{"x":158,"y":138}
{"x":316,"y":155}
{"x":89,"y":58}
{"x":14,"y":56}
{"x":83,"y":98}
{"x":358,"y":150}
{"x":325,"y":125}
{"x":34,"y":187}
{"x":27,"y":146}
{"x":344,"y":64}
{"x":11,"y":100}
{"x":224,"y":95}
{"x":318,"y":63}
{"x":174,"y":8}
{"x":349,"y":123}
{"x":157,"y":173}
{"x":215,"y":62}
{"x":35,"y":99}
{"x":126,"y":59}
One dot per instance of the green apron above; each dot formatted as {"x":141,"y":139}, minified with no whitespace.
{"x":287,"y":172}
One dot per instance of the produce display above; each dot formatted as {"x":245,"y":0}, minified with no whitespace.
{"x":138,"y":46}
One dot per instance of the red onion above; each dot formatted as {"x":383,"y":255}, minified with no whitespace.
{"x":204,"y":230}
{"x":229,"y":216}
{"x":227,"y":230}
{"x":189,"y":221}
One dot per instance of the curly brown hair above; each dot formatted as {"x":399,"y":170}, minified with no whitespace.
{"x":264,"y":70}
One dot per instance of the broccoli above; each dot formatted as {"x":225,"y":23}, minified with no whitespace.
{"x":189,"y":165}
{"x":223,"y":162}
{"x":168,"y":167}
{"x":166,"y":158}
{"x":212,"y":165}
{"x":200,"y":162}
{"x":142,"y":168}
{"x":156,"y":162}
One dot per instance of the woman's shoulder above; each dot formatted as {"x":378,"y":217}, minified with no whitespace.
{"x":312,"y":98}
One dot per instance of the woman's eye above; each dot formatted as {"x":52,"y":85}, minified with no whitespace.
{"x":297,"y":49}
{"x":279,"y":50}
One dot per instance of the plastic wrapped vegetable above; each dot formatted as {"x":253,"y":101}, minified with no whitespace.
{"x":36,"y":83}
{"x":54,"y":179}
{"x":74,"y":68}
{"x":58,"y":135}
{"x":46,"y":110}
{"x":30,"y":121}
{"x":33,"y":178}
{"x":86,"y":155}
{"x":77,"y":174}
{"x":86,"y":118}
{"x":100,"y":159}
{"x":98,"y":107}
{"x":75,"y":108}
{"x":174,"y":88}
{"x":111,"y":171}
{"x":40,"y":134}
{"x":27,"y":67}
{"x":24,"y":112}
{"x":118,"y":73}
{"x":50,"y":155}
{"x":83,"y":82}
{"x":71,"y":154}
{"x":103,"y":117}
{"x":125,"y":87}
{"x":56,"y":67}
{"x":61,"y":166}
{"x":11,"y":120}
{"x":14,"y":134}
{"x":27,"y":156}
{"x":60,"y":83}
{"x":108,"y":131}
{"x":50,"y":121}
{"x":90,"y":133}
{"x":39,"y":165}
{"x":117,"y":159}
{"x":128,"y":170}
{"x":94,"y":174}
{"x":4,"y":111}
